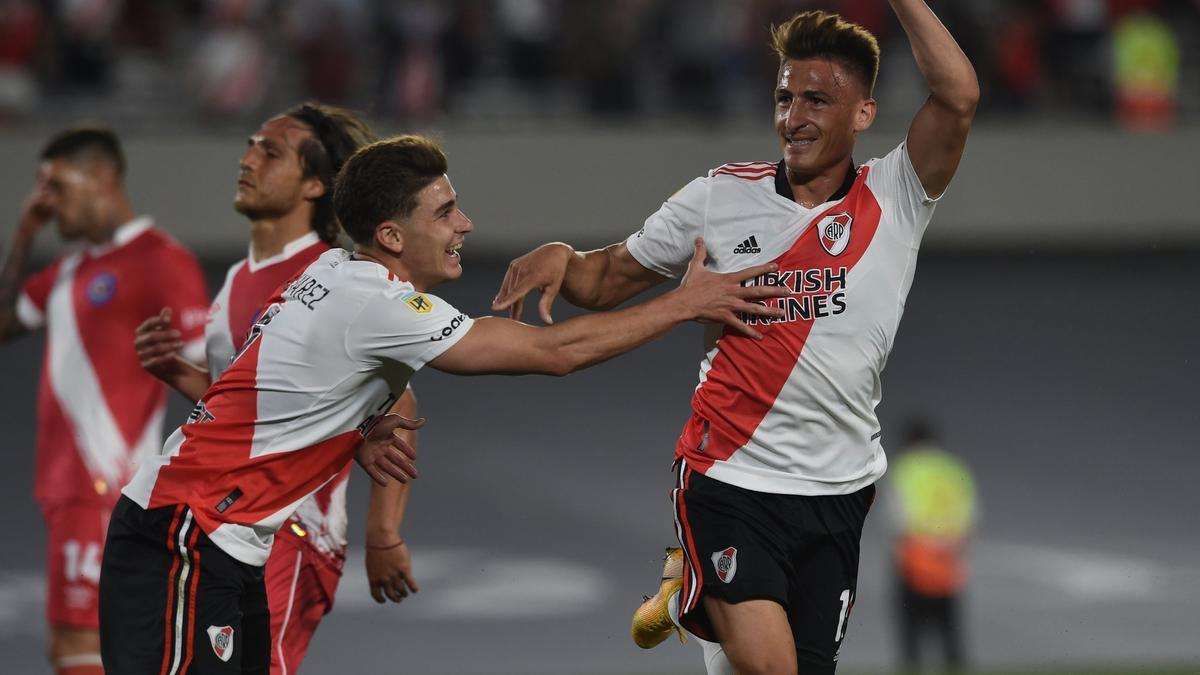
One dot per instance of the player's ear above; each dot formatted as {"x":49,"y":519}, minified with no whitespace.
{"x":390,"y":237}
{"x":865,"y":115}
{"x":312,"y":188}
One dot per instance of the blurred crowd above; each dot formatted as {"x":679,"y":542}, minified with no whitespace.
{"x":534,"y":61}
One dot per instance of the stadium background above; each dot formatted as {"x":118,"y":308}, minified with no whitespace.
{"x":1051,"y":330}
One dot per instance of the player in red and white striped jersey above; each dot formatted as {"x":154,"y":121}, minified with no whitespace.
{"x":98,"y":412}
{"x":778,"y":462}
{"x":329,"y":356}
{"x":285,"y":188}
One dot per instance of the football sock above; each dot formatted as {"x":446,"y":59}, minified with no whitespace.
{"x":79,"y":664}
{"x":715,"y":662}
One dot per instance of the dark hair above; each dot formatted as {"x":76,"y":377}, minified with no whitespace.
{"x":818,"y":34}
{"x":337,"y":133}
{"x":78,"y":142}
{"x":381,"y":182}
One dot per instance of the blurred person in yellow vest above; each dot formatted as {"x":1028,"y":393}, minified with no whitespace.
{"x":1146,"y":71}
{"x":932,"y":499}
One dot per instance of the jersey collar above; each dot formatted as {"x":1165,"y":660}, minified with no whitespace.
{"x":783,"y":189}
{"x":123,"y":235}
{"x":289,"y":249}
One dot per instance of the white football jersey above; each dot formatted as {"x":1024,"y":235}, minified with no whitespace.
{"x":327,"y":357}
{"x":794,"y":413}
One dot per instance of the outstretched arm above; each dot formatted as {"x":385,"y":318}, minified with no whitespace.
{"x":938,"y":133}
{"x":495,"y":345}
{"x":595,"y":280}
{"x":389,"y":564}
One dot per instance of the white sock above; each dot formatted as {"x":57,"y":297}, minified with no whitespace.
{"x":714,"y":658}
{"x":715,"y":662}
{"x":673,"y":609}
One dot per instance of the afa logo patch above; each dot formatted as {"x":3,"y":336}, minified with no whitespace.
{"x":726,"y":563}
{"x":221,"y":638}
{"x":420,"y":303}
{"x":834,"y":231}
{"x":101,"y":289}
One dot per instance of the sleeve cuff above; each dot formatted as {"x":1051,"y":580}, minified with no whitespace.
{"x":194,"y":352}
{"x":28,"y":313}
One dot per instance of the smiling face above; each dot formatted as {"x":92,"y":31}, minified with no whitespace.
{"x":432,"y":236}
{"x":271,"y":181}
{"x":820,"y":106}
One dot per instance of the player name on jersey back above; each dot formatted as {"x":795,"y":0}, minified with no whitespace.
{"x":328,"y":356}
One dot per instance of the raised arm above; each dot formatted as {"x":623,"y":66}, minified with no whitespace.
{"x":595,"y":280}
{"x":495,"y":345}
{"x":34,"y":214}
{"x":938,"y":133}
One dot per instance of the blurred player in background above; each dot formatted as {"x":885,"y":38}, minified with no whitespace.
{"x":933,"y":504}
{"x":777,"y":466}
{"x":327,"y":358}
{"x":99,"y":413}
{"x":285,"y":189}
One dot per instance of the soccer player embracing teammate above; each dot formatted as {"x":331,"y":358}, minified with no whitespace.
{"x":777,"y":465}
{"x":285,"y":189}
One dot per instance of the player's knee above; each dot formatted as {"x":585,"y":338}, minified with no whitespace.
{"x":765,"y":664}
{"x":761,"y":659}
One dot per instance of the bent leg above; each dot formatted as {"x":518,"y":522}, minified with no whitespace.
{"x":755,"y":635}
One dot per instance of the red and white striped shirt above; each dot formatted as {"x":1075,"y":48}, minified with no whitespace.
{"x":321,"y":521}
{"x":98,"y":411}
{"x":329,"y":355}
{"x":794,"y":413}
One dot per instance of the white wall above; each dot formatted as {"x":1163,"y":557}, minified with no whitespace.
{"x":1018,"y":186}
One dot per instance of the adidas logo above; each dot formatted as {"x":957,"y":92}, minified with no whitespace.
{"x":748,"y":246}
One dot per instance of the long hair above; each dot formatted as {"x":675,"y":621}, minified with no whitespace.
{"x":337,"y":134}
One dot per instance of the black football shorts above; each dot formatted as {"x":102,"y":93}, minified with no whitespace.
{"x":172,"y":602}
{"x":799,"y":551}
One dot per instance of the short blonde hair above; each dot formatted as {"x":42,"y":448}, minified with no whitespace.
{"x":818,"y":34}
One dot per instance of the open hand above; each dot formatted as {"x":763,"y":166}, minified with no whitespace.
{"x":384,"y":455}
{"x":541,"y":269}
{"x":719,"y":298}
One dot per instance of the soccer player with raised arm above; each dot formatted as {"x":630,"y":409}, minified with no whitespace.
{"x":285,"y":188}
{"x":99,"y":413}
{"x":329,"y":355}
{"x":777,"y":465}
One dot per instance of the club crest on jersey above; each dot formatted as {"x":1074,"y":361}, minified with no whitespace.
{"x":834,"y":231}
{"x":726,"y":563}
{"x":420,"y":303}
{"x":221,"y":638}
{"x":101,"y":289}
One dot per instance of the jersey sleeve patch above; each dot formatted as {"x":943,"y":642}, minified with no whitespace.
{"x":419,"y":302}
{"x":411,"y":328}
